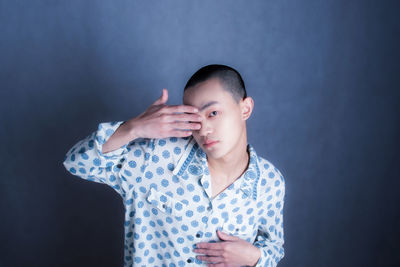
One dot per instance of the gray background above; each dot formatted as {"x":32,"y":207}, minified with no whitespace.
{"x":324,"y":76}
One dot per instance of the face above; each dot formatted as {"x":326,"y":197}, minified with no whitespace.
{"x":223,"y":125}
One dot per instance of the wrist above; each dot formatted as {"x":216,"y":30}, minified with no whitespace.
{"x":132,"y":129}
{"x":256,"y":256}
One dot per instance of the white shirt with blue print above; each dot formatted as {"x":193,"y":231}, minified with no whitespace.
{"x":166,"y":190}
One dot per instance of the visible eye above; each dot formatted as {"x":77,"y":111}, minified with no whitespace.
{"x":213,"y":114}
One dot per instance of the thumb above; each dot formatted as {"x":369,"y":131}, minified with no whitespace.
{"x":226,"y":237}
{"x":163,"y":98}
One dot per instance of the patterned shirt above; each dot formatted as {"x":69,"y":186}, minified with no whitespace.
{"x":165,"y":186}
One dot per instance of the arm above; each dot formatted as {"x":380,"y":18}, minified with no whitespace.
{"x":87,"y":160}
{"x":270,"y":238}
{"x":158,"y":121}
{"x":123,"y":135}
{"x":101,"y":156}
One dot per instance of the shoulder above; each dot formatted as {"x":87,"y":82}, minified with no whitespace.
{"x":268,"y":168}
{"x":175,"y":145}
{"x":271,"y":178}
{"x":172,"y":148}
{"x":265,"y":168}
{"x":162,"y":144}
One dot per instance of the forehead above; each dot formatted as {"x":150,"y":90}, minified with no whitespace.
{"x":205,"y":92}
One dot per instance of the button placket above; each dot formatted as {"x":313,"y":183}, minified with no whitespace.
{"x":209,"y":207}
{"x":199,"y":234}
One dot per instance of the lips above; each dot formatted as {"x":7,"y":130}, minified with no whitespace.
{"x":209,"y":143}
{"x":206,"y":142}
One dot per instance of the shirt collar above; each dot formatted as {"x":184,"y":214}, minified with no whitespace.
{"x":194,"y":160}
{"x":251,"y":176}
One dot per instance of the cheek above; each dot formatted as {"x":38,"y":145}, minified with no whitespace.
{"x":230,"y":123}
{"x":232,"y":127}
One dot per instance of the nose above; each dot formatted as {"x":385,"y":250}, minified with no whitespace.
{"x":205,"y":128}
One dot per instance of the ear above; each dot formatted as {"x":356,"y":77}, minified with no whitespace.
{"x":247,"y":106}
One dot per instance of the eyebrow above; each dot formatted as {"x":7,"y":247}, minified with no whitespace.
{"x":208,"y":104}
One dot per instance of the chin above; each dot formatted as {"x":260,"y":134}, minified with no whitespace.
{"x":215,"y":154}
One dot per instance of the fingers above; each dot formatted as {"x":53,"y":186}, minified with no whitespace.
{"x":181,"y":109}
{"x":208,"y":252}
{"x":179,"y":133}
{"x":173,"y":108}
{"x":225,"y":236}
{"x":227,"y":253}
{"x":186,"y":126}
{"x":207,"y":245}
{"x":182,"y":118}
{"x":217,"y":265}
{"x":176,"y":129}
{"x":163,"y":98}
{"x":186,"y":117}
{"x":161,"y":120}
{"x":211,"y":259}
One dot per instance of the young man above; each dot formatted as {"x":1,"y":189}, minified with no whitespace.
{"x":194,"y":191}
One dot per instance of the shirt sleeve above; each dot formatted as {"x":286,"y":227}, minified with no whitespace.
{"x":86,"y":160}
{"x":269,"y":238}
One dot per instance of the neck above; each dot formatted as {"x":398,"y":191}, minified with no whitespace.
{"x":231,"y":166}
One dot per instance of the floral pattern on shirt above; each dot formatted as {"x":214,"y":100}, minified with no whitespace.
{"x":165,"y":186}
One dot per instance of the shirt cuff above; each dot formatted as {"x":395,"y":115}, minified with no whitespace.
{"x":103,"y":133}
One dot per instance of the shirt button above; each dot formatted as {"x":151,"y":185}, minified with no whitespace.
{"x":199,"y":234}
{"x":189,"y":260}
{"x":209,"y":208}
{"x":164,"y":206}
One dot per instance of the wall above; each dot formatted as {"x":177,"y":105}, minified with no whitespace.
{"x":323,"y":74}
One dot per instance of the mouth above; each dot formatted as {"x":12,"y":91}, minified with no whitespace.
{"x":209,"y":143}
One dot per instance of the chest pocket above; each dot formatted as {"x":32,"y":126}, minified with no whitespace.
{"x":166,"y":204}
{"x":245,"y":231}
{"x":242,"y":224}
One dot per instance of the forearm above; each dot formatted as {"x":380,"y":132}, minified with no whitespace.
{"x":123,"y":135}
{"x":86,"y":160}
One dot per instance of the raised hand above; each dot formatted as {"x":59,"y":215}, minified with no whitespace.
{"x":161,"y":120}
{"x":158,"y":121}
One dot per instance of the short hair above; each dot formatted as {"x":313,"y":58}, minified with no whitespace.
{"x":230,"y":79}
